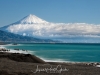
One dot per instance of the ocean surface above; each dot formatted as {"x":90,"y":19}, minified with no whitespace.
{"x":62,"y":52}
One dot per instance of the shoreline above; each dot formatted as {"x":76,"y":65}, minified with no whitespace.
{"x":80,"y":54}
{"x":3,"y":49}
{"x":46,"y":60}
{"x":26,"y":64}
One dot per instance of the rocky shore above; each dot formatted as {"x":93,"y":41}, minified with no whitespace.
{"x":27,"y":64}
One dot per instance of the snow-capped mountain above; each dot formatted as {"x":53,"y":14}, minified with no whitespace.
{"x":24,"y":25}
{"x":33,"y":26}
{"x":31,"y":19}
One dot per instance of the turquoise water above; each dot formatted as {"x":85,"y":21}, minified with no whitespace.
{"x":63,"y":52}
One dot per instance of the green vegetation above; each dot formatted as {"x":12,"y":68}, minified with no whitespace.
{"x":10,"y":37}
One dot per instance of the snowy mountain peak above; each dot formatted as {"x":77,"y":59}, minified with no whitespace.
{"x":31,"y":19}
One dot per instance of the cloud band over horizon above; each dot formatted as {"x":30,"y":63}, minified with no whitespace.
{"x":56,"y":29}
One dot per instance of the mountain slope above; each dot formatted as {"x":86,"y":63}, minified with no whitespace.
{"x":30,"y":19}
{"x":10,"y":37}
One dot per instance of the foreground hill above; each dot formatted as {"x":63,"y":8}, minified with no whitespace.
{"x":10,"y":37}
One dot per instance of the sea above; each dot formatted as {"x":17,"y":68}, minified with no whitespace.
{"x":62,"y":52}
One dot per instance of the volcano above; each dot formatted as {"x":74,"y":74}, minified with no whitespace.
{"x":34,"y":26}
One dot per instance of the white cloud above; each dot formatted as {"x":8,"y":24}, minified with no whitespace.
{"x":55,"y":30}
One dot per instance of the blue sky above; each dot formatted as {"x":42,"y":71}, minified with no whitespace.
{"x":57,"y":11}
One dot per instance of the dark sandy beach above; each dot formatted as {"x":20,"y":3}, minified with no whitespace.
{"x":27,"y":64}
